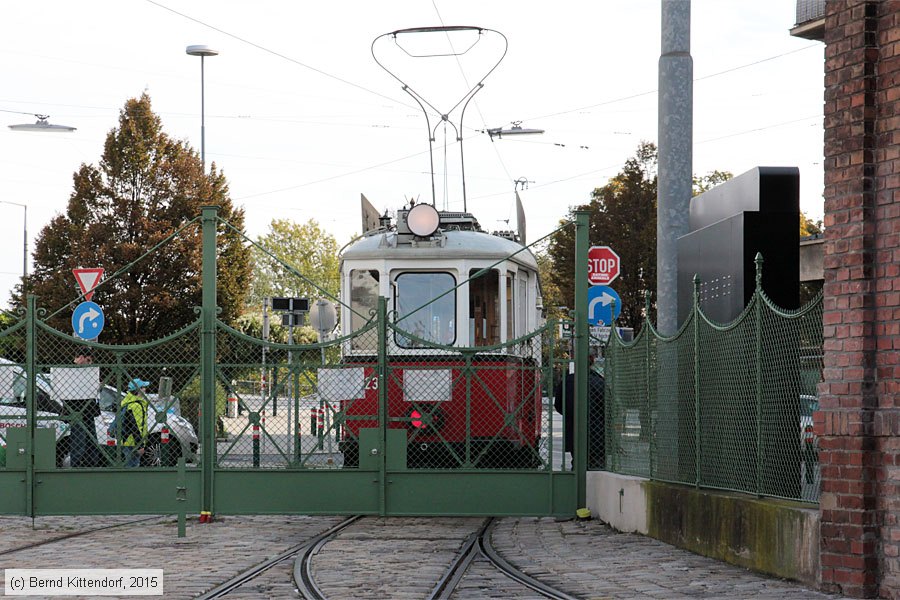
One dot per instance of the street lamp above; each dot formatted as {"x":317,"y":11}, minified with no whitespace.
{"x":202,"y":51}
{"x":516,"y":129}
{"x":40,"y":125}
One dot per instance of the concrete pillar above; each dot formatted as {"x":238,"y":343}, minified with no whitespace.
{"x":676,"y":108}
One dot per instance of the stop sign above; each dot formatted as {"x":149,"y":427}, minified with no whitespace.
{"x":603,"y":265}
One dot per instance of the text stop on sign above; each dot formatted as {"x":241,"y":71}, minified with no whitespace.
{"x":603,"y":265}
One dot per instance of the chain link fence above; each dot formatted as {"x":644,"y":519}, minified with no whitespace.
{"x":720,"y":406}
{"x":12,"y":392}
{"x":312,"y":406}
{"x":106,"y":405}
{"x":120,"y":406}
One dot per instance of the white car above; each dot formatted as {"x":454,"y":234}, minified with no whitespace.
{"x":181,"y":433}
{"x":182,"y":437}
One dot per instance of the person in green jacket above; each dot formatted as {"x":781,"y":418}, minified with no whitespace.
{"x":134,"y":426}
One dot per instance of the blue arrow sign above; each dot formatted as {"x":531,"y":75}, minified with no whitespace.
{"x":601,"y":299}
{"x":87,"y":320}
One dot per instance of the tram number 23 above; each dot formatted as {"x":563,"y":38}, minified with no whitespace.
{"x":372,"y":384}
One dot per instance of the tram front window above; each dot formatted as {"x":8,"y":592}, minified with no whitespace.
{"x":418,"y":315}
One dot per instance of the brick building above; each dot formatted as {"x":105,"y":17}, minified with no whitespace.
{"x":859,"y":421}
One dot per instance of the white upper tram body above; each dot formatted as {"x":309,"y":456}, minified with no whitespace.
{"x":409,"y":270}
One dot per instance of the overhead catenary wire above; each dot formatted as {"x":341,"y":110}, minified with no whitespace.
{"x":278,"y":54}
{"x":368,"y":90}
{"x":654,"y":91}
{"x":354,"y":172}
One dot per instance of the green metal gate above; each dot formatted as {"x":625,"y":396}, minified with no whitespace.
{"x":265,"y":427}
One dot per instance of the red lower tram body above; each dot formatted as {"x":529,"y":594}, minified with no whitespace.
{"x":486,"y":415}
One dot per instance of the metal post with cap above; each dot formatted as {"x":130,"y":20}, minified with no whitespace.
{"x":202,"y":51}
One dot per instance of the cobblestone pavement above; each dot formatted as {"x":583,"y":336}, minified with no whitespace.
{"x":18,"y":531}
{"x":590,"y":560}
{"x":483,"y":580}
{"x":390,"y":558}
{"x":274,"y":584}
{"x":387,"y":558}
{"x":210,"y":554}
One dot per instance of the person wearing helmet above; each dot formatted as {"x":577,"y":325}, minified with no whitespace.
{"x":134,"y":422}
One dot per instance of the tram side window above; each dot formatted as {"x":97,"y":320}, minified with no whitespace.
{"x":363,"y":300}
{"x":420,"y":310}
{"x":484,"y":308}
{"x":510,"y":306}
{"x":523,"y":303}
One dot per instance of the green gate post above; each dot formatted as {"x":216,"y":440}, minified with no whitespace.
{"x":181,"y":498}
{"x":757,"y":315}
{"x":650,"y":425}
{"x":581,"y":355}
{"x":254,"y":424}
{"x":382,"y":404}
{"x":209,"y":220}
{"x":30,"y":374}
{"x":697,"y":439}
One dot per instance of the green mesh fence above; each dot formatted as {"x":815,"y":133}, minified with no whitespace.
{"x":321,"y":406}
{"x":720,"y":406}
{"x":118,"y":406}
{"x":307,"y":406}
{"x":12,"y":388}
{"x":399,"y":394}
{"x":289,"y":405}
{"x":478,"y":408}
{"x":108,"y":406}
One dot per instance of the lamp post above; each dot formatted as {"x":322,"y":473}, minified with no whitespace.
{"x":24,"y":241}
{"x":40,"y":125}
{"x":202,"y":51}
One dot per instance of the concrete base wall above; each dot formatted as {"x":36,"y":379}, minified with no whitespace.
{"x":618,"y":500}
{"x":776,"y":537}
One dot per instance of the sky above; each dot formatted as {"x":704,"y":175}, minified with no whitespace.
{"x":302,"y":120}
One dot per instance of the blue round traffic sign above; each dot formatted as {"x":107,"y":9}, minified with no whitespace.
{"x":602,"y":301}
{"x":87,"y":320}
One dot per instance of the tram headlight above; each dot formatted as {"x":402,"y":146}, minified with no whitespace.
{"x":423,"y":220}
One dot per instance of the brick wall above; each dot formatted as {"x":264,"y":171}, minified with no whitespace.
{"x":859,"y":421}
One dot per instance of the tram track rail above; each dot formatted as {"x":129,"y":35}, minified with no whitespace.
{"x":477,"y":544}
{"x":252,"y":573}
{"x":75,"y":534}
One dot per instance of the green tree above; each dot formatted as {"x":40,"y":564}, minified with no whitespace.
{"x":704,"y":183}
{"x":291,"y":248}
{"x":146,"y":186}
{"x":809,"y":289}
{"x":623,"y":216}
{"x":307,"y":249}
{"x":808,"y":226}
{"x":550,"y":292}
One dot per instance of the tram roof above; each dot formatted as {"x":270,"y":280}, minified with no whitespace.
{"x":458,"y":245}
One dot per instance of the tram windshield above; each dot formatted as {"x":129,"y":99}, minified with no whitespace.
{"x":420,"y":314}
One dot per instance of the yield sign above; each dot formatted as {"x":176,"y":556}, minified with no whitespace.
{"x":87,"y":280}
